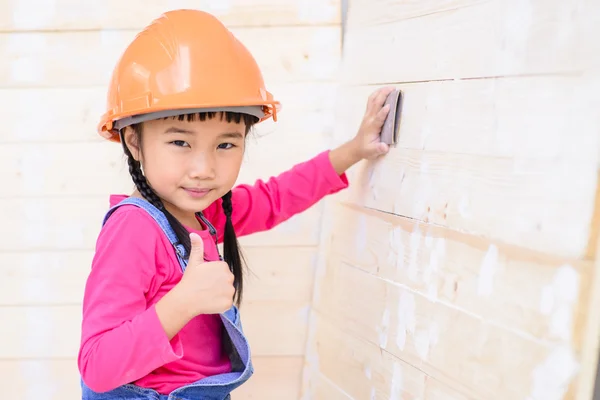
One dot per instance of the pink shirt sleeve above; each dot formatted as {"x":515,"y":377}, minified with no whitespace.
{"x":122,"y":340}
{"x":264,"y":205}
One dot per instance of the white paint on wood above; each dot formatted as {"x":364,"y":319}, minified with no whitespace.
{"x":407,"y":321}
{"x":550,"y":379}
{"x":426,"y":338}
{"x":383,"y":328}
{"x":397,"y":382}
{"x":489,"y":266}
{"x":559,"y":299}
{"x":415,"y":242}
{"x":361,"y":234}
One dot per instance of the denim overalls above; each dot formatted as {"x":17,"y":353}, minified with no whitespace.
{"x":216,"y":387}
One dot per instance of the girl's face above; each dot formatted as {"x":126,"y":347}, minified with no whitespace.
{"x":189,"y":164}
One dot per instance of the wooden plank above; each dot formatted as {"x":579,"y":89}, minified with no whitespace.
{"x":531,"y":293}
{"x":351,"y":367}
{"x":28,"y":117}
{"x":366,"y":14}
{"x":97,"y":168}
{"x":18,"y":15}
{"x":277,"y":274}
{"x":276,"y":327}
{"x":484,"y":196}
{"x":465,"y":352}
{"x":284,"y":54}
{"x":273,"y":328}
{"x":498,"y":158}
{"x":42,"y":224}
{"x":416,"y":41}
{"x":320,"y":387}
{"x":43,"y":278}
{"x":274,"y":378}
{"x":545,"y":117}
{"x":280,"y":274}
{"x":40,"y":379}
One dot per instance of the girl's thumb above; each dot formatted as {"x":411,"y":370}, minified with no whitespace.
{"x":197,"y":249}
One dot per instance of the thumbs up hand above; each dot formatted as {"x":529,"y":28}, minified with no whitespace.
{"x":206,"y":287}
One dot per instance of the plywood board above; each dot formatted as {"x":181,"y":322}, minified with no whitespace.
{"x":524,"y":291}
{"x":17,"y":15}
{"x":467,"y":353}
{"x":392,"y":41}
{"x":354,"y":368}
{"x":87,"y":58}
{"x":490,"y":157}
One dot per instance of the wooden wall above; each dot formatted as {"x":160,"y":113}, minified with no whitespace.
{"x":57,"y":174}
{"x":464,"y":264}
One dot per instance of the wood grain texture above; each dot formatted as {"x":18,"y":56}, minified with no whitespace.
{"x":20,"y":15}
{"x":368,"y":372}
{"x":490,"y":157}
{"x":511,"y":286}
{"x":87,"y":58}
{"x":405,"y":41}
{"x":462,"y":265}
{"x":468,"y":353}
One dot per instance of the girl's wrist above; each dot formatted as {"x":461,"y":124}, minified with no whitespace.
{"x":345,"y":156}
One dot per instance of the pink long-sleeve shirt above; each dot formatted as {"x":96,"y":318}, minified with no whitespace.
{"x":135,"y":266}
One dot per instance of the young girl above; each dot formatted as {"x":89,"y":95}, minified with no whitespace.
{"x":160,"y":311}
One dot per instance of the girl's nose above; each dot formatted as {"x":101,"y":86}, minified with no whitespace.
{"x":203,"y":167}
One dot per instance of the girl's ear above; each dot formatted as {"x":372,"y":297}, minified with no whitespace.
{"x":132,"y":143}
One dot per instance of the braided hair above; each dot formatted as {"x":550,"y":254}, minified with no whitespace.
{"x":231,"y":249}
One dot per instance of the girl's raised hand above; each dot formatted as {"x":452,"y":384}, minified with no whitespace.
{"x":206,"y":286}
{"x":367,"y":140}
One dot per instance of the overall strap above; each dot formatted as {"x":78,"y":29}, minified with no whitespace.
{"x":160,"y":219}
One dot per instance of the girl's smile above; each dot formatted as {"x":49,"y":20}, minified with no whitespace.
{"x":197,"y":193}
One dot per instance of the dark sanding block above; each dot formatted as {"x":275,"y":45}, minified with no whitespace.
{"x":391,"y":126}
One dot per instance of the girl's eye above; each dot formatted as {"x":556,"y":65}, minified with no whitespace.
{"x":225,"y":146}
{"x":180,"y":143}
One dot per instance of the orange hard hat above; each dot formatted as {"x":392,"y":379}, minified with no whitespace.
{"x":185,"y":61}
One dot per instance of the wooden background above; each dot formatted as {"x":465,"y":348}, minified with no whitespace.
{"x":57,"y":174}
{"x":464,"y":264}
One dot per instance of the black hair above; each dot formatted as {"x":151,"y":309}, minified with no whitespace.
{"x":231,"y":250}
